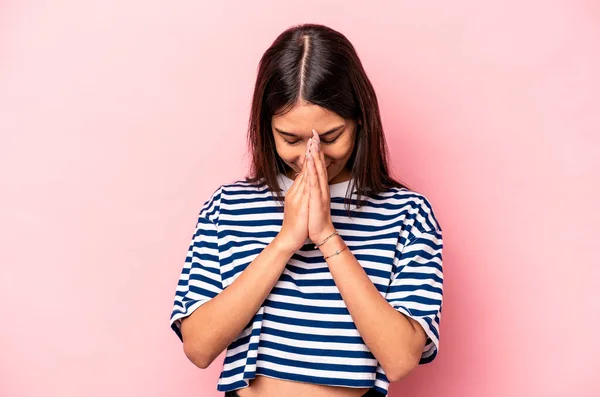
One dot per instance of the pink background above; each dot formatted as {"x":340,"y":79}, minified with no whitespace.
{"x":118,"y":118}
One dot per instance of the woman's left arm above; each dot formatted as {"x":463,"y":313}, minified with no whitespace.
{"x":395,"y":340}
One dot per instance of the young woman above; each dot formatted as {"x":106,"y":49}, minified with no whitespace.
{"x":319,"y":274}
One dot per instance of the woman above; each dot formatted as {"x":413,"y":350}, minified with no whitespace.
{"x":319,"y":274}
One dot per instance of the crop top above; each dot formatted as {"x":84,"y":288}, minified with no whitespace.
{"x":303,"y":331}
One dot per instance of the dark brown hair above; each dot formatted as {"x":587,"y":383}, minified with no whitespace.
{"x":317,"y":64}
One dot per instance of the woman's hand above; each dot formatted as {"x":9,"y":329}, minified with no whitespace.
{"x":320,"y":225}
{"x":294,"y":230}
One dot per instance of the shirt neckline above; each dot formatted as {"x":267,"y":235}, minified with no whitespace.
{"x":335,"y":189}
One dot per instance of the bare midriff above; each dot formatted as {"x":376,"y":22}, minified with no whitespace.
{"x":264,"y":386}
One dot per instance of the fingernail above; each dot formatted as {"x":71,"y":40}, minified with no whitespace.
{"x":313,"y":143}
{"x":316,"y":136}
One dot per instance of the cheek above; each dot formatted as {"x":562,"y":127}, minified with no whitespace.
{"x":286,"y":153}
{"x":289,"y":154}
{"x":339,"y":151}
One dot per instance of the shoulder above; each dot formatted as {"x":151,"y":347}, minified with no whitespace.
{"x":413,"y":209}
{"x":242,"y":186}
{"x":228,"y":194}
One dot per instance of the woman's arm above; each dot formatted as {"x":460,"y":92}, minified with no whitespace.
{"x":214,"y":325}
{"x":396,"y":339}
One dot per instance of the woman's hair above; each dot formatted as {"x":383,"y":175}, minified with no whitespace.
{"x":317,"y":64}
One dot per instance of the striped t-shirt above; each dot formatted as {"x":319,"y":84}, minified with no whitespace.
{"x":303,"y":330}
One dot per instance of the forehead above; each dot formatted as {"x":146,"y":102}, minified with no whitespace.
{"x":302,"y":118}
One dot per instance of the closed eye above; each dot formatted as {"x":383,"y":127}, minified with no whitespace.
{"x":322,"y":141}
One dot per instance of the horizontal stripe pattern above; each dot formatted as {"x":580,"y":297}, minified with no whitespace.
{"x":303,"y":331}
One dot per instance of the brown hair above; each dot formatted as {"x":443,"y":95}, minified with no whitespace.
{"x":319,"y":65}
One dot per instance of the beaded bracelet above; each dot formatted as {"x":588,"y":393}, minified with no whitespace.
{"x":336,"y":252}
{"x":323,"y":242}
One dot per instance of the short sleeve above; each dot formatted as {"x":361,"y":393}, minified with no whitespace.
{"x":200,"y":278}
{"x":416,"y":286}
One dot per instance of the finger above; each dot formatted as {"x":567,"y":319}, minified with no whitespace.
{"x":313,"y":178}
{"x":298,"y":182}
{"x":305,"y":194}
{"x":298,"y":177}
{"x":312,"y":171}
{"x":293,"y":185}
{"x":302,"y":178}
{"x":298,"y":173}
{"x":325,"y":191}
{"x":301,"y":186}
{"x":319,"y":165}
{"x":316,"y":136}
{"x":321,"y":154}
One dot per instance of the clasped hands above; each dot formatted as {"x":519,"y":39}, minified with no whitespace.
{"x":320,"y":225}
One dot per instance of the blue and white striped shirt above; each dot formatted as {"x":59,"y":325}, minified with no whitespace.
{"x":303,"y":330}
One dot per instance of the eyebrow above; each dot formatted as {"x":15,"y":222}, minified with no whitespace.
{"x":331,"y":131}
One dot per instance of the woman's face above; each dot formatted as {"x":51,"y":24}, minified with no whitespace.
{"x":293,"y":129}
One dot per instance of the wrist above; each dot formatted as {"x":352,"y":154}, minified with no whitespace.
{"x":282,"y":247}
{"x":332,"y":245}
{"x":327,"y":232}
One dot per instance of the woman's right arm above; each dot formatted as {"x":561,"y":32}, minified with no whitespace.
{"x":213,"y":326}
